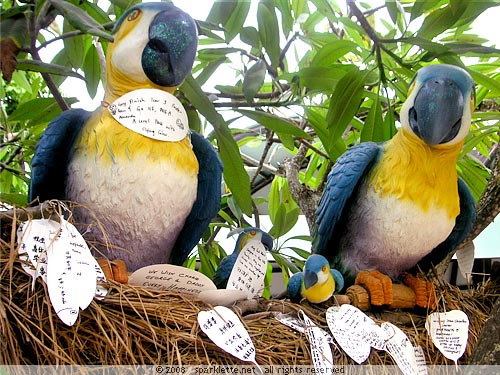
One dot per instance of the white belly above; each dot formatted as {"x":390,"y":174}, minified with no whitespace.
{"x":139,"y":208}
{"x":392,"y":235}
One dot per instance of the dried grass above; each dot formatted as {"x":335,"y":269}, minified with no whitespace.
{"x":139,"y":326}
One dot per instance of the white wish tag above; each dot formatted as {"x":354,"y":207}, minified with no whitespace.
{"x":153,"y":113}
{"x":348,"y":337}
{"x":227,"y":331}
{"x":249,"y":270}
{"x":465,"y":260}
{"x":34,"y":238}
{"x":449,"y":331}
{"x":400,"y":348}
{"x":292,"y":322}
{"x":321,"y":352}
{"x":84,"y":265}
{"x":173,"y":278}
{"x":420,"y":358}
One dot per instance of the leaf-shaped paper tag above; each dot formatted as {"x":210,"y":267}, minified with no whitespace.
{"x":449,"y":331}
{"x":34,"y":238}
{"x":347,"y":336}
{"x":153,"y":113}
{"x":227,"y":331}
{"x":320,"y":348}
{"x":249,"y":270}
{"x":400,"y":348}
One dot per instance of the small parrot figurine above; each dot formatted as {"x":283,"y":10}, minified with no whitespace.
{"x":317,"y":282}
{"x":245,"y":235}
{"x":153,"y":198}
{"x":392,"y":206}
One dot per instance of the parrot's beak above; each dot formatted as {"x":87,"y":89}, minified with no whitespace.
{"x":437,"y":112}
{"x":169,"y":55}
{"x":310,"y":279}
{"x":267,"y":241}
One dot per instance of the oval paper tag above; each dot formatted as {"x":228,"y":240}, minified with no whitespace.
{"x":227,"y":331}
{"x":173,"y":278}
{"x":321,"y":352}
{"x":401,"y":350}
{"x":249,"y":270}
{"x":449,"y":331}
{"x":153,"y":113}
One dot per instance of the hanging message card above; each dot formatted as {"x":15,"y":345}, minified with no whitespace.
{"x":34,"y":237}
{"x":346,"y":335}
{"x":420,"y":359}
{"x":321,"y":352}
{"x":400,"y":348}
{"x":449,"y":331}
{"x":227,"y":331}
{"x":249,"y":270}
{"x":465,"y":260}
{"x":292,"y":322}
{"x":153,"y":113}
{"x":172,"y":278}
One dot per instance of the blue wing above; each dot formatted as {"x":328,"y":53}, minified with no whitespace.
{"x":339,"y":280}
{"x":208,"y":198}
{"x":294,"y":287}
{"x":52,"y":153}
{"x":341,"y":183}
{"x":463,"y":226}
{"x":224,"y":270}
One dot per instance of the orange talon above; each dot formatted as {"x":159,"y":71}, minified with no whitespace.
{"x":114,"y":270}
{"x":378,"y":285}
{"x":425,"y":294}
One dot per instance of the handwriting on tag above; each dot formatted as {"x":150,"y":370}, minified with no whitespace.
{"x":227,"y":331}
{"x":249,"y":270}
{"x":321,"y":352}
{"x":420,"y":359}
{"x":449,"y":331}
{"x":347,"y":336}
{"x":171,"y":278}
{"x":153,"y":113}
{"x":400,"y":348}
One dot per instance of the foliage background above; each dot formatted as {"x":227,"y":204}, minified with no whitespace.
{"x":313,"y":77}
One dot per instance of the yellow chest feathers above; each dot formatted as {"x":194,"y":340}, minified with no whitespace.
{"x":412,"y":171}
{"x":319,"y":292}
{"x":110,"y":142}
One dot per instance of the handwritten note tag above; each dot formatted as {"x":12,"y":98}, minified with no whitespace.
{"x":401,"y":350}
{"x":465,"y":259}
{"x":344,"y":328}
{"x":58,"y":253}
{"x":153,"y":113}
{"x":173,"y":278}
{"x":420,"y":359}
{"x":321,"y":352}
{"x":449,"y":331}
{"x":249,"y":270}
{"x":300,"y":326}
{"x":227,"y":331}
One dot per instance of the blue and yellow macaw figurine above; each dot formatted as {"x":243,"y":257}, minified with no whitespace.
{"x":153,"y":198}
{"x":245,"y":235}
{"x":392,"y":206}
{"x":317,"y":282}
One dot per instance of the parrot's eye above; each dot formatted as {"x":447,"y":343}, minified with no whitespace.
{"x":133,"y":15}
{"x":253,"y":232}
{"x":323,"y":268}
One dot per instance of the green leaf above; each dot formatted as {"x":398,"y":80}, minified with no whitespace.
{"x":333,"y":51}
{"x":372,"y":129}
{"x":250,"y":36}
{"x":92,"y":70}
{"x":254,"y":79}
{"x":483,"y":80}
{"x":40,"y":110}
{"x":39,"y":66}
{"x":236,"y":20}
{"x":80,"y":20}
{"x":209,"y":69}
{"x":440,"y":20}
{"x":275,"y":123}
{"x":274,"y":199}
{"x":345,"y":101}
{"x":235,"y":175}
{"x":269,"y":31}
{"x":286,"y":16}
{"x":15,"y":27}
{"x":392,"y":8}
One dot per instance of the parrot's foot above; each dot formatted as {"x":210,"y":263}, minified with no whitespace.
{"x":379,"y":287}
{"x":114,"y":270}
{"x":425,"y":295}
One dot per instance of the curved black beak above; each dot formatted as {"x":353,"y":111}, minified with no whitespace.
{"x":310,"y":278}
{"x":169,"y":55}
{"x":436,"y":115}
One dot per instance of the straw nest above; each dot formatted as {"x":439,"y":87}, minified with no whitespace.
{"x":134,"y":325}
